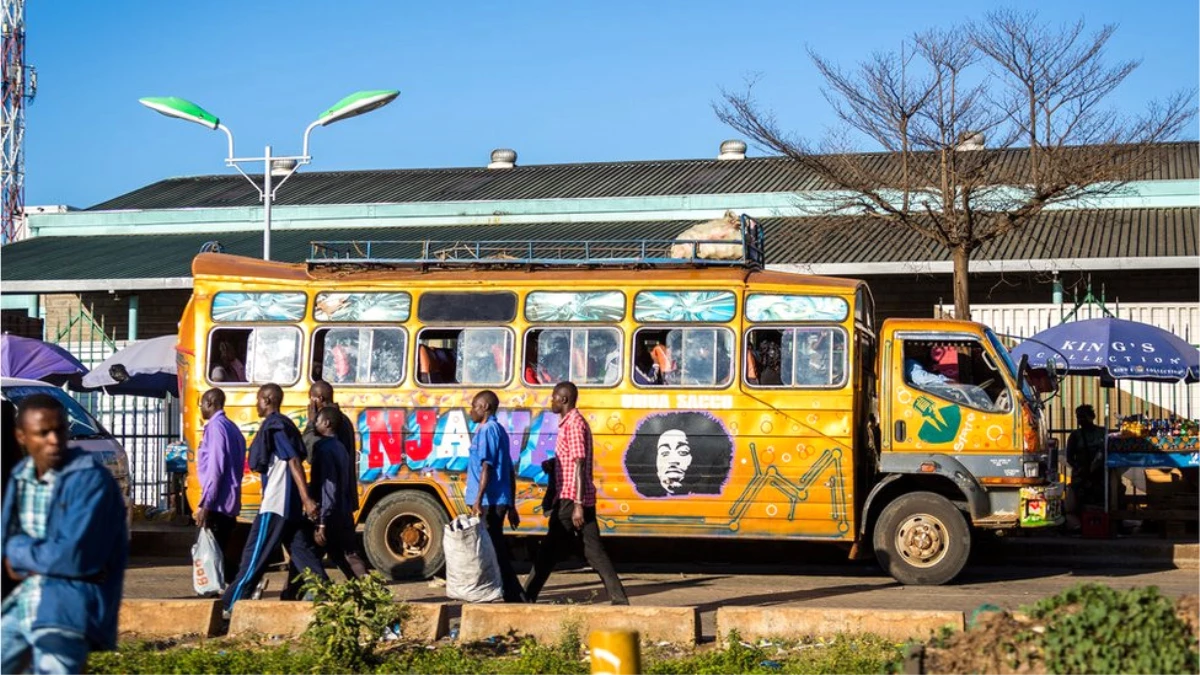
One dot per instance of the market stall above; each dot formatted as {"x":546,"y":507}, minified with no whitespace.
{"x":1113,"y":350}
{"x":1168,"y":450}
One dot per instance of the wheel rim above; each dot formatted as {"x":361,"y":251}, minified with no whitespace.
{"x":922,"y":540}
{"x":408,"y":536}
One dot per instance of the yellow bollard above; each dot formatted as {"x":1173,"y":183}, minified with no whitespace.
{"x":615,"y":652}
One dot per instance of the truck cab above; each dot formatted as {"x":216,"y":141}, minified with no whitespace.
{"x":962,"y":446}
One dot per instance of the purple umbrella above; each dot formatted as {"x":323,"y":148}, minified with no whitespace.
{"x":36,"y":360}
{"x":1119,"y":349}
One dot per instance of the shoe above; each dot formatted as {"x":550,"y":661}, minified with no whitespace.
{"x":258,"y":590}
{"x":226,"y":615}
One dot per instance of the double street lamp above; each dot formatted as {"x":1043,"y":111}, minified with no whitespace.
{"x":273,"y":166}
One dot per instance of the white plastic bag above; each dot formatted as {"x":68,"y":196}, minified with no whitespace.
{"x":208,"y":573}
{"x":472,"y":574}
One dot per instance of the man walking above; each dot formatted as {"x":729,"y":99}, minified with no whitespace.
{"x":283,"y":517}
{"x":574,"y":508}
{"x":335,"y":520}
{"x":65,"y":544}
{"x":492,"y":485}
{"x":220,"y":462}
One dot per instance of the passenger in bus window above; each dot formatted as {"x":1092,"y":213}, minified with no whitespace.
{"x":768,"y":364}
{"x":227,"y":367}
{"x":341,"y":362}
{"x":664,"y":358}
{"x":645,"y":370}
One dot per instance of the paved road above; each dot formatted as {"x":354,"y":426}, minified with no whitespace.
{"x":709,"y":586}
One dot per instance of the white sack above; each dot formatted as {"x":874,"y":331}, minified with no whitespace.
{"x":727,"y":228}
{"x":472,"y":573}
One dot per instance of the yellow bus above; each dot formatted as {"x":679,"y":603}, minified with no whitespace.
{"x":725,"y":400}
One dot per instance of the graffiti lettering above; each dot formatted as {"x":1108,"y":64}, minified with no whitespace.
{"x":440,"y":439}
{"x":968,"y":425}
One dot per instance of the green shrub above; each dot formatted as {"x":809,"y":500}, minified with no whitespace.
{"x":1092,"y":628}
{"x":349,"y":619}
{"x":234,"y":659}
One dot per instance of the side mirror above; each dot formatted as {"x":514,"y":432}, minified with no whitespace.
{"x":1042,"y":380}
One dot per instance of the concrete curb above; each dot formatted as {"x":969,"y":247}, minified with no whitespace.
{"x":270,"y":618}
{"x":426,"y":622}
{"x":794,"y":623}
{"x":545,"y":623}
{"x":168,"y":618}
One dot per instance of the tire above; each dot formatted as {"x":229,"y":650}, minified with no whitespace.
{"x":406,"y":514}
{"x":921,"y":539}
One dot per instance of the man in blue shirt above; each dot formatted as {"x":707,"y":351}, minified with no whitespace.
{"x":492,"y":485}
{"x":65,"y":545}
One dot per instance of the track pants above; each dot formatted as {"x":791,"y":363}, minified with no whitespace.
{"x":267,"y":532}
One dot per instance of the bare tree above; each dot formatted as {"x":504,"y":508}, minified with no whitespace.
{"x":1034,"y":92}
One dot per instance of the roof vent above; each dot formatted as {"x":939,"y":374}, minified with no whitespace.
{"x":972,"y":140}
{"x":732,"y":149}
{"x":503,"y":158}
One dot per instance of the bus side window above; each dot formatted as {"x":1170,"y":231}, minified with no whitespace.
{"x":693,"y":357}
{"x":471,"y":356}
{"x":585,"y":356}
{"x":255,"y":355}
{"x":227,"y":354}
{"x":808,"y":357}
{"x":360,"y":355}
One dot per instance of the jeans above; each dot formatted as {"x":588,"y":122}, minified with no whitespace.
{"x":41,"y":650}
{"x":561,"y":532}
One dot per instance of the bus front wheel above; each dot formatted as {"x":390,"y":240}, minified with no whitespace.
{"x":922,"y":539}
{"x":403,"y":535}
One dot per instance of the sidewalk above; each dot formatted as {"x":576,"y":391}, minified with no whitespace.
{"x":163,"y":539}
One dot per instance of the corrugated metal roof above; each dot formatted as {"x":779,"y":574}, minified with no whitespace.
{"x":559,"y":181}
{"x":1113,"y":233}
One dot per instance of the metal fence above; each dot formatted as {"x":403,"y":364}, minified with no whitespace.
{"x":144,"y":426}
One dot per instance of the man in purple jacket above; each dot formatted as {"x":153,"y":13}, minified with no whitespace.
{"x":220,"y":462}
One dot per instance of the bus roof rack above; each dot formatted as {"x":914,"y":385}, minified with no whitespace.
{"x":635,"y":253}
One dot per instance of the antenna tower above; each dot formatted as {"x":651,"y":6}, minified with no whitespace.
{"x":20,"y":86}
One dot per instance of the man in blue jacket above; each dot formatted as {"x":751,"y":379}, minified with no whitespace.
{"x":285,"y":513}
{"x":65,"y":544}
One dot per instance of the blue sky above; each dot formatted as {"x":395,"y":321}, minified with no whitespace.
{"x":557,"y":81}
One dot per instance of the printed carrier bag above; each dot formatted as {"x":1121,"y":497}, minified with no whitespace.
{"x":472,"y":574}
{"x":208,"y":575}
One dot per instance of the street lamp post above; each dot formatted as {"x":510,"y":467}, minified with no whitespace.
{"x":353,"y":105}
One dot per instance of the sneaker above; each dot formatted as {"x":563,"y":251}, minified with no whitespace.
{"x":258,"y":590}
{"x":226,"y":615}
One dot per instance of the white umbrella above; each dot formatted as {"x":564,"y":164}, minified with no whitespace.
{"x":142,"y":368}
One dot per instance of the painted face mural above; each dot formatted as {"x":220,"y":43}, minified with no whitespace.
{"x":677,"y":454}
{"x":674,"y":459}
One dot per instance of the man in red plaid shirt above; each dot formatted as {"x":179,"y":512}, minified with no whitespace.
{"x":574,"y":509}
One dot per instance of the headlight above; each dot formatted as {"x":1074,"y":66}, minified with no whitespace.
{"x":1033,"y":469}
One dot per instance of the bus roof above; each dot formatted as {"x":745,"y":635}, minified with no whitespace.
{"x":250,"y":269}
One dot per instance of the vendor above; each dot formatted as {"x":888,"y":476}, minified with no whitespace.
{"x":1085,"y":456}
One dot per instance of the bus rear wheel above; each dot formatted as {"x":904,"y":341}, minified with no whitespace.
{"x":403,"y":535}
{"x":922,"y":539}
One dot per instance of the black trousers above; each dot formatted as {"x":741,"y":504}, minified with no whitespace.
{"x":495,"y":527}
{"x":562,"y":533}
{"x":267,"y":532}
{"x":222,"y":529}
{"x":342,"y":547}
